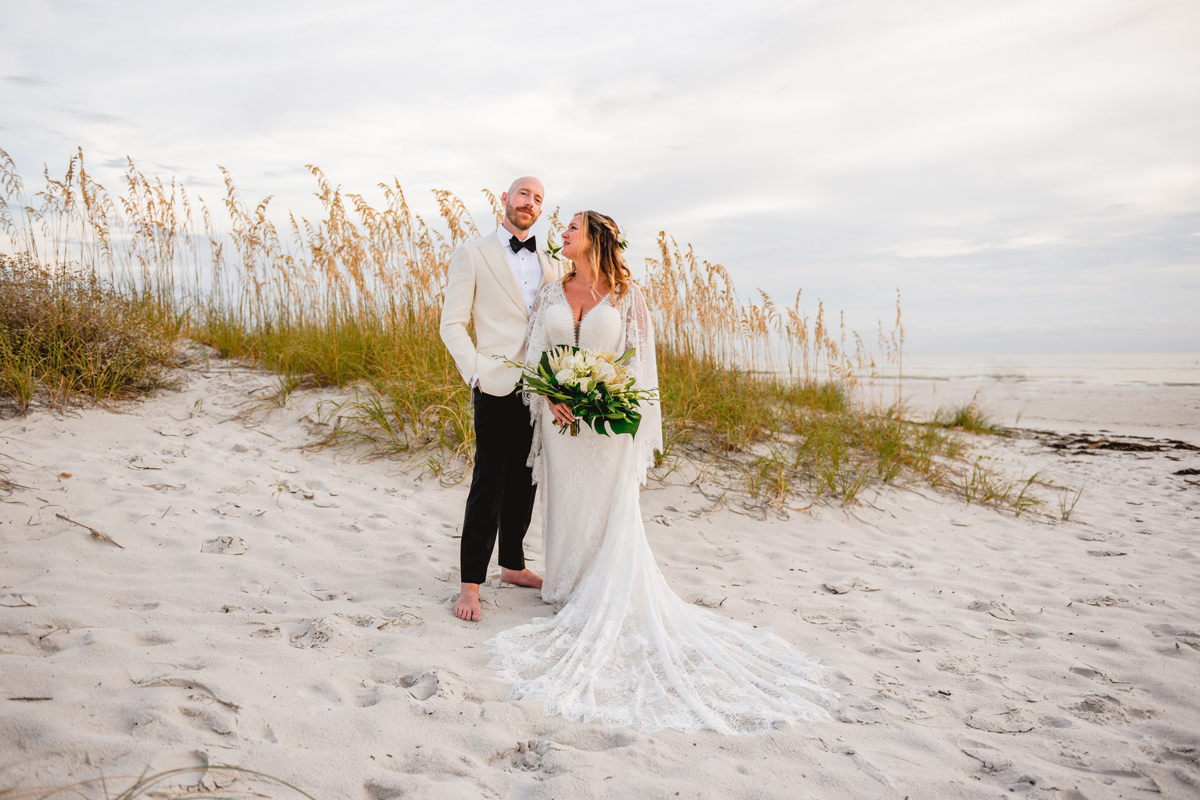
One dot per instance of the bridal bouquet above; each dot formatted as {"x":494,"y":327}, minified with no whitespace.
{"x":597,"y":386}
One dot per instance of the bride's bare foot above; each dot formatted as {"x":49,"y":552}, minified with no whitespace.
{"x":520,"y":577}
{"x":468,"y":607}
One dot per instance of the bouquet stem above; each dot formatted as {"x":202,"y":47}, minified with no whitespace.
{"x":575,"y":427}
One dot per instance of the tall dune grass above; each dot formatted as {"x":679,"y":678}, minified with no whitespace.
{"x":770,"y":396}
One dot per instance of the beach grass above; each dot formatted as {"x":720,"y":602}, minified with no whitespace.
{"x":66,"y":332}
{"x":969,"y":417}
{"x":769,"y":397}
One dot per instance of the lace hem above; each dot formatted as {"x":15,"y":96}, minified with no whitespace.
{"x":691,"y":670}
{"x":625,"y":650}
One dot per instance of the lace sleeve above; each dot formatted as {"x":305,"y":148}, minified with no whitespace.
{"x":639,"y":334}
{"x":535,"y":344}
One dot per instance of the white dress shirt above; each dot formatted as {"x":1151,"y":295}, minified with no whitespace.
{"x":527,"y":269}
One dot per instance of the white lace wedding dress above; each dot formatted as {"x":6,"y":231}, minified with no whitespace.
{"x":624,"y":649}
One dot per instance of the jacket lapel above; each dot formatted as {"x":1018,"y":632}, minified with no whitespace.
{"x":493,"y":256}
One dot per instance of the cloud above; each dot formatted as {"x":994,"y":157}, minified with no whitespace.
{"x":978,"y":156}
{"x":95,"y":116}
{"x":936,"y":248}
{"x":25,"y":81}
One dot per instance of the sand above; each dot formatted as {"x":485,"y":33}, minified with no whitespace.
{"x":289,"y":611}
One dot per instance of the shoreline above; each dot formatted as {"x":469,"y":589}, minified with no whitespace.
{"x":1134,"y":410}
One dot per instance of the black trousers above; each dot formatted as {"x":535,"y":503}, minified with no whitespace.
{"x":502,"y":488}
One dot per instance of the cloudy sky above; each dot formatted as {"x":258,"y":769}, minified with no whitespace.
{"x":1026,"y":174}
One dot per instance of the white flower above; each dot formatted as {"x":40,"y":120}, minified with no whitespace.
{"x":604,"y":372}
{"x":557,"y":359}
{"x":582,"y":363}
{"x":564,"y":376}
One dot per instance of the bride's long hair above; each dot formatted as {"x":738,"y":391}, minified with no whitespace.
{"x":605,"y":253}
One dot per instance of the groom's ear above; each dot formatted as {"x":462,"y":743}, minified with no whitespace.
{"x":504,"y":198}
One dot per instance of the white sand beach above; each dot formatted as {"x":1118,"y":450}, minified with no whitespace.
{"x":289,"y":611}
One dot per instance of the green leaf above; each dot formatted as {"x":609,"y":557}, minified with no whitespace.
{"x":629,"y":425}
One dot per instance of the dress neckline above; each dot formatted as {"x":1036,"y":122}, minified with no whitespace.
{"x":582,"y":317}
{"x":577,"y":323}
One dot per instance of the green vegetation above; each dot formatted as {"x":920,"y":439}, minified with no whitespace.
{"x":968,"y":418}
{"x":767,"y":398}
{"x":66,"y":332}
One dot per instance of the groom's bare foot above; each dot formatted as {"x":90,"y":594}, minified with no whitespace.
{"x":521,"y":577}
{"x":468,"y":607}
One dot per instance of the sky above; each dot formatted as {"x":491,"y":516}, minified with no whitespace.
{"x":1025,"y":174}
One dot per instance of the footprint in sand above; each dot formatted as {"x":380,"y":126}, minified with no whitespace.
{"x":320,"y":633}
{"x":39,"y":639}
{"x":594,"y":740}
{"x":527,"y":756}
{"x":326,"y":595}
{"x":340,"y":632}
{"x":200,"y":704}
{"x":997,"y":610}
{"x":1187,"y":636}
{"x":845,"y":585}
{"x":1090,"y":674}
{"x":958,"y":666}
{"x":991,"y":758}
{"x":1106,"y":710}
{"x":171,"y":429}
{"x":421,"y":685}
{"x":225,"y":545}
{"x":394,"y":619}
{"x":1003,"y":720}
{"x":1104,"y":601}
{"x":165,"y":487}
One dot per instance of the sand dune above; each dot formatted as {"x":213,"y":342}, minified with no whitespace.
{"x":289,"y":611}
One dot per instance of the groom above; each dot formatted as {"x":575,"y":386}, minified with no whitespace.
{"x":492,"y":282}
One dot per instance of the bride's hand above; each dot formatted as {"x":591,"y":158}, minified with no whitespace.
{"x":561,"y":411}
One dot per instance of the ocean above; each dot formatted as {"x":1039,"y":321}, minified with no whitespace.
{"x":1116,"y":369}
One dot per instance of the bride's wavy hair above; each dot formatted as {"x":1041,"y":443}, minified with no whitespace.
{"x":605,"y":254}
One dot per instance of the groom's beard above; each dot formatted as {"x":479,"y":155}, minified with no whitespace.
{"x":521,"y":218}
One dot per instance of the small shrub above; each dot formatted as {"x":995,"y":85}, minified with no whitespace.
{"x":968,"y":417}
{"x":65,"y":328}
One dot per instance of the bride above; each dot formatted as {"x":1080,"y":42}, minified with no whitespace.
{"x":624,"y":649}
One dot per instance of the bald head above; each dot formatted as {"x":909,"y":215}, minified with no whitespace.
{"x":529,"y":180}
{"x":522,"y":205}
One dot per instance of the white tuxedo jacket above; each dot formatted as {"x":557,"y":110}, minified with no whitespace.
{"x":482,"y":288}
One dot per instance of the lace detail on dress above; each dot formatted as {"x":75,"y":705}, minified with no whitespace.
{"x":604,"y":327}
{"x":639,"y":334}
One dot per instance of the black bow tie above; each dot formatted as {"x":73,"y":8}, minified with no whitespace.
{"x":529,"y":244}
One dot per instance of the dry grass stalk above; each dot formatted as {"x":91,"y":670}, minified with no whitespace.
{"x":93,"y":531}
